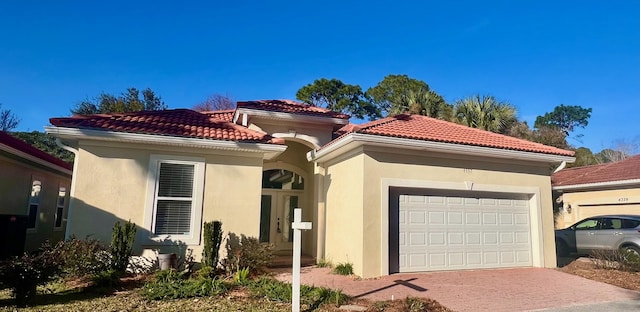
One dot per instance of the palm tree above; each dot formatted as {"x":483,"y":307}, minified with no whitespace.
{"x":422,"y":102}
{"x":485,"y":112}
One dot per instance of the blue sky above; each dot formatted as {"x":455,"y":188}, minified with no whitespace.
{"x":533,"y":54}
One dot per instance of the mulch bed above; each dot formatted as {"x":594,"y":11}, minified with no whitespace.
{"x":586,"y":269}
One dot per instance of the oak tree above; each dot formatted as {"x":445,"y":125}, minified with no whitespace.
{"x":128,"y":101}
{"x":335,"y":95}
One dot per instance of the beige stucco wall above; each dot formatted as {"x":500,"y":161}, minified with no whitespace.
{"x":355,"y":193}
{"x":16,"y":176}
{"x":344,"y":217}
{"x":111,"y":185}
{"x":585,"y":204}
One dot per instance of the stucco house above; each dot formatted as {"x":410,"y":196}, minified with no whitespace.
{"x":611,"y":188}
{"x":401,"y":194}
{"x":35,"y":185}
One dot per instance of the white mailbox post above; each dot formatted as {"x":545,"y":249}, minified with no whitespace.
{"x":297,"y":227}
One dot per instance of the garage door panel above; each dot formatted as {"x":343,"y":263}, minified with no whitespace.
{"x":473,"y":238}
{"x":456,"y":239}
{"x":490,"y":238}
{"x":472,"y":218}
{"x":506,"y":238}
{"x":463,"y":233}
{"x":455,"y":218}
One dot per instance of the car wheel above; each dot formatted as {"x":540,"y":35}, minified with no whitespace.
{"x":631,"y":250}
{"x":562,"y":249}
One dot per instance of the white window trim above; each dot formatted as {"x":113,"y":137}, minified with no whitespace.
{"x":198,"y":194}
{"x":64,"y":206}
{"x":34,"y":178}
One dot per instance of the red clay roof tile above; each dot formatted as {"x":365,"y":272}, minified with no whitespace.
{"x":431,"y":129}
{"x":176,"y":122}
{"x":226,"y":115}
{"x":15,"y":143}
{"x":293,"y":107}
{"x":627,"y":169}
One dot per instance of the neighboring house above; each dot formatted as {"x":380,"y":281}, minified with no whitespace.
{"x":401,"y":194}
{"x":605,"y":189}
{"x":33,"y":184}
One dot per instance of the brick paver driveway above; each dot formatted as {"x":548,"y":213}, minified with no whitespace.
{"x":521,"y":289}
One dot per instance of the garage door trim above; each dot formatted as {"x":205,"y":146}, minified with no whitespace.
{"x":534,"y":208}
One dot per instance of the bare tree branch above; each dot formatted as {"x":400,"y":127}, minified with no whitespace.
{"x":8,"y":120}
{"x":215,"y":102}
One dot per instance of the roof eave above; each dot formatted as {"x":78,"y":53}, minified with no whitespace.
{"x":35,"y":159}
{"x":288,"y":117}
{"x":269,"y":151}
{"x":597,"y":185}
{"x":343,"y":144}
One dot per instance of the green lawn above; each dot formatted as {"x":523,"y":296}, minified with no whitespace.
{"x":131,"y":300}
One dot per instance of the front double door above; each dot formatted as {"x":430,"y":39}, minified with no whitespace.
{"x":276,"y":215}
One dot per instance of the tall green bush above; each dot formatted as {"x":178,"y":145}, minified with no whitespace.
{"x":212,"y":242}
{"x":121,"y":247}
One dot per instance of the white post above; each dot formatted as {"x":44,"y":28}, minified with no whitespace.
{"x":297,"y":227}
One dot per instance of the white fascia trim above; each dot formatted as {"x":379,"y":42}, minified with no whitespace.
{"x":289,"y":117}
{"x":73,"y":133}
{"x":358,"y":139}
{"x":34,"y":159}
{"x":596,"y":185}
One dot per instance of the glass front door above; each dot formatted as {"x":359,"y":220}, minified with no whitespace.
{"x":276,"y":215}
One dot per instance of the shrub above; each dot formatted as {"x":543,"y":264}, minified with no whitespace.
{"x":107,"y":279}
{"x":615,"y":260}
{"x":271,"y":289}
{"x":83,"y":257}
{"x":412,"y":304}
{"x":167,"y":276}
{"x":241,"y":276}
{"x":122,"y":245}
{"x":24,"y":274}
{"x":171,"y":284}
{"x":275,"y":290}
{"x":324,"y":263}
{"x":343,"y":269}
{"x":248,"y":253}
{"x":212,"y":240}
{"x":205,"y":272}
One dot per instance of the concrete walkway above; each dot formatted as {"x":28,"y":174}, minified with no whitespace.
{"x":523,"y":289}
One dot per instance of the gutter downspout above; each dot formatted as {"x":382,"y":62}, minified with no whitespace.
{"x":562,"y":165}
{"x":73,"y":184}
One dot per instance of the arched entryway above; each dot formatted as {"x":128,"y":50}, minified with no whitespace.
{"x":282,"y":191}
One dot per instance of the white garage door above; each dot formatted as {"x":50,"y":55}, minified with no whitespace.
{"x":452,"y":233}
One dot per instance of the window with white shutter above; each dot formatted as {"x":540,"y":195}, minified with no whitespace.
{"x":176,"y":198}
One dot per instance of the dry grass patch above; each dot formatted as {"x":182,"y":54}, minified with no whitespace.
{"x":587,"y":269}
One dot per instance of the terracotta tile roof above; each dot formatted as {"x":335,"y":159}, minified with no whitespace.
{"x":293,"y":107}
{"x":627,"y":169}
{"x":226,"y":115}
{"x":17,"y":144}
{"x":430,"y":129}
{"x":175,"y":122}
